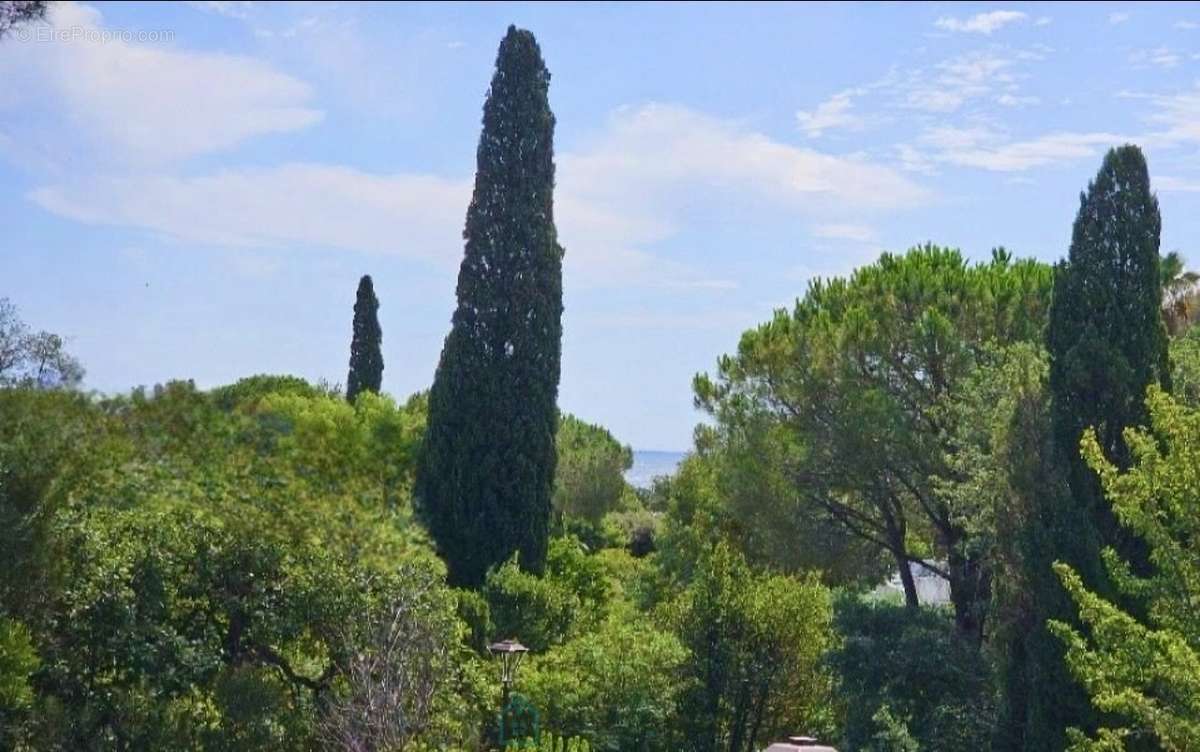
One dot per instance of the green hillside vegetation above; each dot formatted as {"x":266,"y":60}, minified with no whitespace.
{"x":277,"y":564}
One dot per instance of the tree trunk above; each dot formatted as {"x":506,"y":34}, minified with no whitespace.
{"x":741,"y":711}
{"x":759,"y":706}
{"x":907,"y":580}
{"x":970,"y":589}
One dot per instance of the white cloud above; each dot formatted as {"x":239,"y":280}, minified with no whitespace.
{"x":856,"y":233}
{"x":1163,"y":57}
{"x":989,"y":150}
{"x":229,"y":8}
{"x":981,"y":23}
{"x":956,"y":81}
{"x":142,"y":103}
{"x":615,"y":200}
{"x":293,"y":204}
{"x":1043,"y":21}
{"x":1186,"y":25}
{"x":1118,"y":18}
{"x":1177,"y":114}
{"x":659,"y":146}
{"x":832,"y":113}
{"x":914,"y":160}
{"x":1012,"y":100}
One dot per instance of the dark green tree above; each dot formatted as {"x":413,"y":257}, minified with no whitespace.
{"x":366,"y":360}
{"x":487,"y":476}
{"x":1107,"y":344}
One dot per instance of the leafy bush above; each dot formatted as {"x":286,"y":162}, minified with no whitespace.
{"x":905,"y":672}
{"x":550,"y":743}
{"x":757,"y":642}
{"x":618,"y":686}
{"x":544,"y":611}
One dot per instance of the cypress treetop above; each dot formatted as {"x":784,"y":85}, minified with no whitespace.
{"x":366,"y":358}
{"x":486,"y":477}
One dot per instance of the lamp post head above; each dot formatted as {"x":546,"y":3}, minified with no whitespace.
{"x":510,"y":653}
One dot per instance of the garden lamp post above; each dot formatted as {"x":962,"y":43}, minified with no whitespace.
{"x":510,"y":653}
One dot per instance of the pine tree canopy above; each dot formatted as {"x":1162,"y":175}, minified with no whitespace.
{"x":487,"y":474}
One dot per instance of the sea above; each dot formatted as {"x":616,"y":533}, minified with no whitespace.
{"x":648,"y":464}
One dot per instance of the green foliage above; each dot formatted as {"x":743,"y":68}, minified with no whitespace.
{"x":366,"y":358}
{"x":190,"y":565}
{"x":246,"y":393}
{"x":284,"y":467}
{"x":904,"y":673}
{"x":1142,"y":669}
{"x":1185,"y":367}
{"x":487,"y":474}
{"x":330,"y":441}
{"x":49,"y":441}
{"x":551,"y":743}
{"x":1008,"y":492}
{"x":159,"y":607}
{"x":757,"y":642}
{"x":892,"y":734}
{"x":589,"y":479}
{"x":736,"y":487}
{"x":618,"y":686}
{"x":18,"y":661}
{"x":635,"y":529}
{"x":475,"y":613}
{"x":855,"y":376}
{"x":541,"y":611}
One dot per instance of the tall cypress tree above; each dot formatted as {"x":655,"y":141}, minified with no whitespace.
{"x":486,"y":476}
{"x":1106,"y":337}
{"x":366,"y":359}
{"x":1107,"y":344}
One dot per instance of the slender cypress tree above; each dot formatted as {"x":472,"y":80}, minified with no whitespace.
{"x":1107,"y":344}
{"x":486,"y":476}
{"x":366,"y":359}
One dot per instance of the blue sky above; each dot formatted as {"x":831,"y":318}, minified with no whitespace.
{"x":193,"y":189}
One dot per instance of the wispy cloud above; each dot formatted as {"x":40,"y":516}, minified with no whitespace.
{"x":987,"y":149}
{"x":856,"y":233}
{"x":229,"y":8}
{"x":954,"y":82}
{"x":1012,"y":100}
{"x":1175,"y":115}
{"x":981,"y":23}
{"x":1162,"y":57}
{"x":1118,"y":17}
{"x":655,"y":145}
{"x":288,"y":205}
{"x":143,"y":103}
{"x":835,"y":112}
{"x":616,"y":200}
{"x":1186,"y":25}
